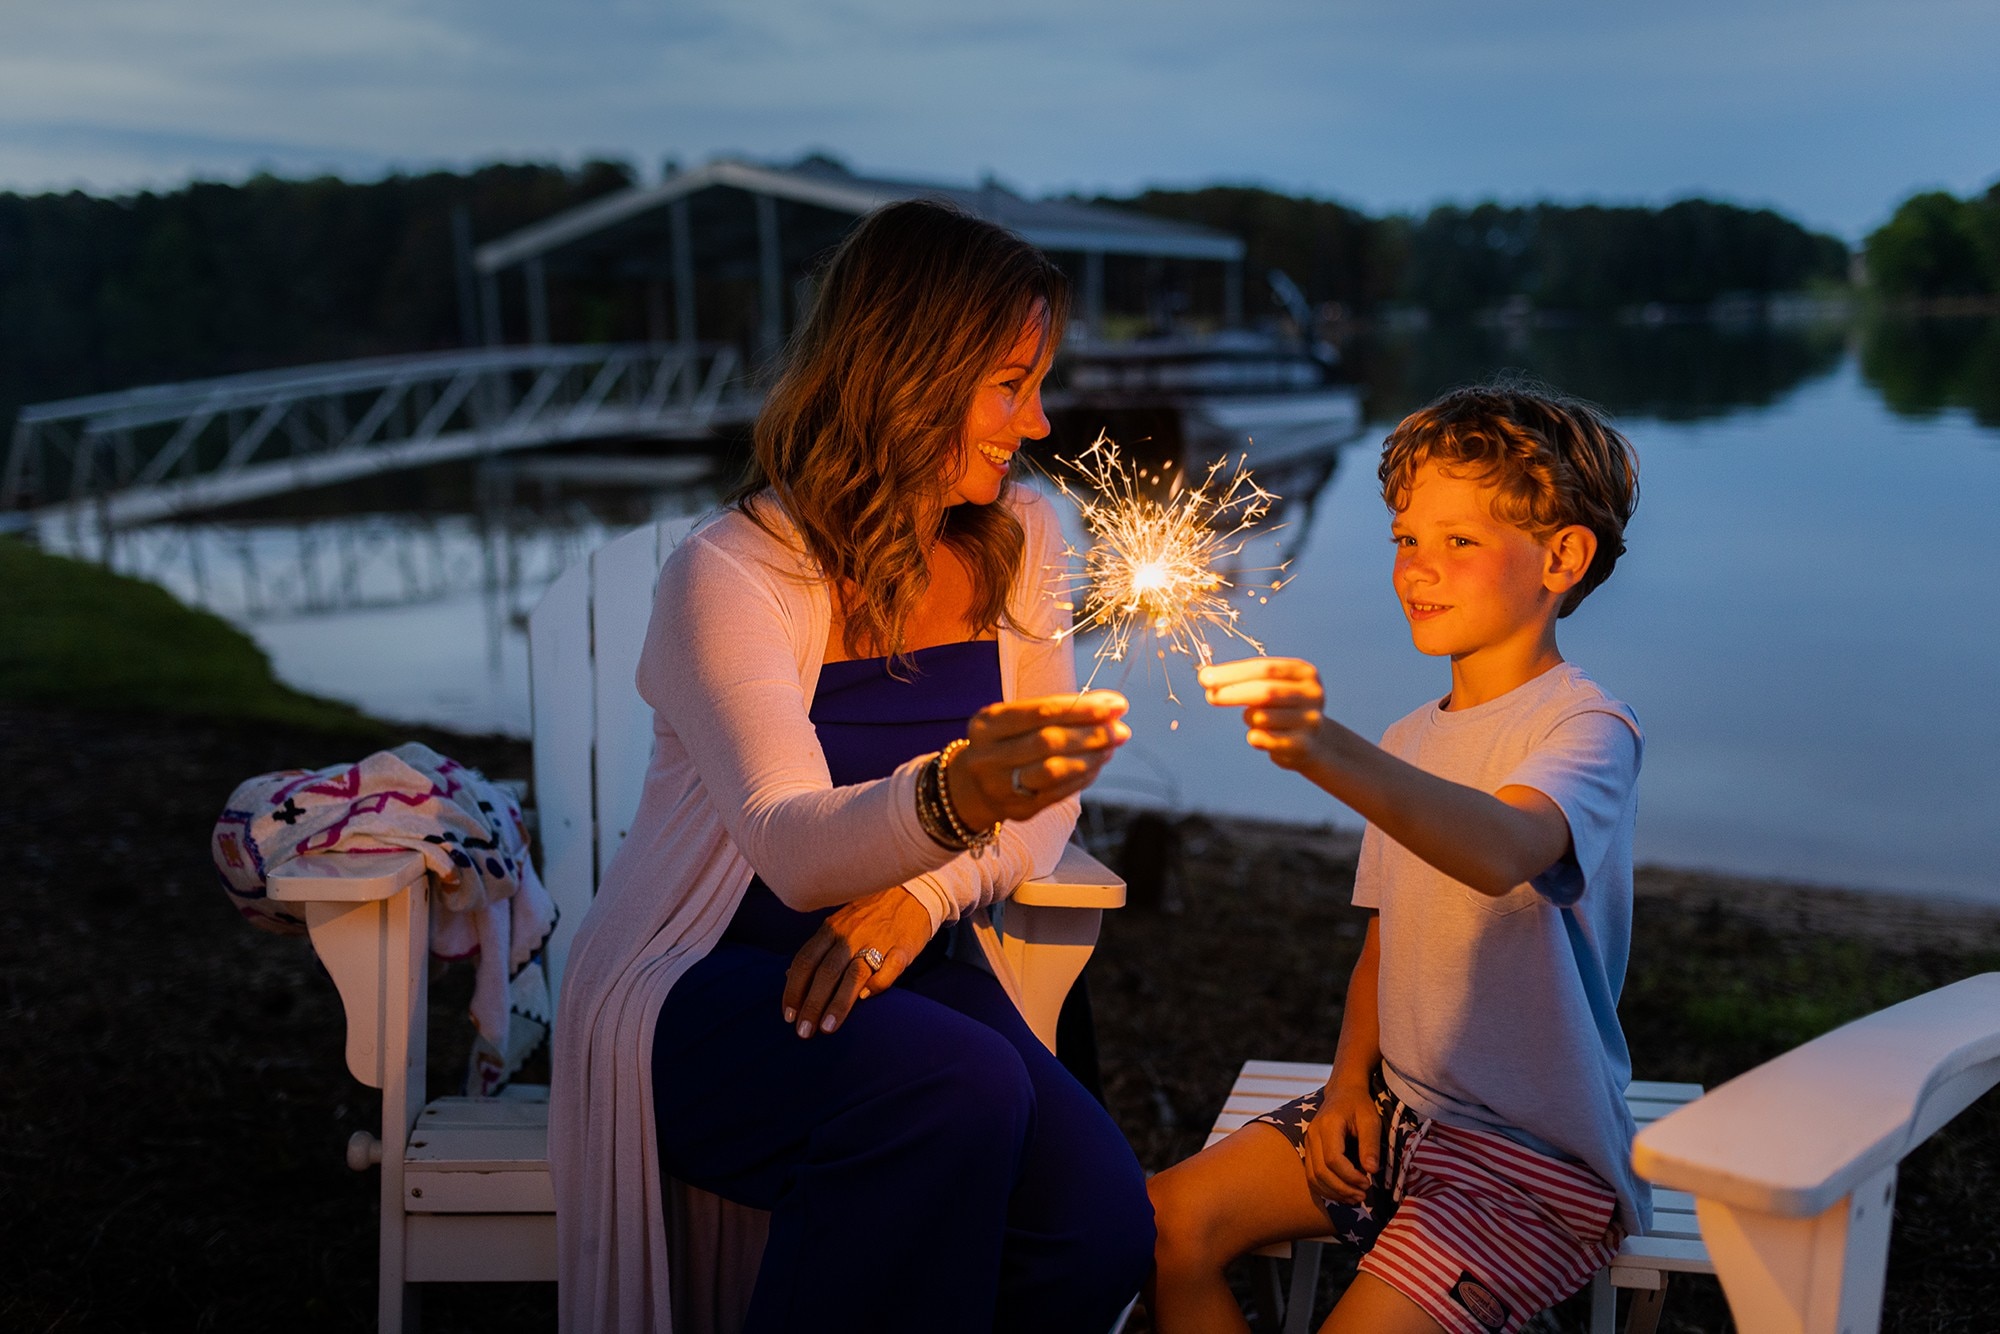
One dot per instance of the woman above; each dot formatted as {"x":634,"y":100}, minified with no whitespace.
{"x":866,"y":727}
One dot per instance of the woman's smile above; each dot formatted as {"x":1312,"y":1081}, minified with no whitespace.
{"x":1006,"y":410}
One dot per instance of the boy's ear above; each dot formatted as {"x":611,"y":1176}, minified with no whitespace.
{"x":1569,"y":554}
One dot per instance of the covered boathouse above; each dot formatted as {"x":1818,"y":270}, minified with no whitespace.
{"x":723,"y":253}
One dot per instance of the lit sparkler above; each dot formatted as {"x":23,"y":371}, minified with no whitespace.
{"x":1152,"y":563}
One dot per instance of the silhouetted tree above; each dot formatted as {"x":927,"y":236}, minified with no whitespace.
{"x":1333,"y":252}
{"x":1593,"y":258}
{"x":1938,"y":245}
{"x":1457,"y":260}
{"x":99,"y":294}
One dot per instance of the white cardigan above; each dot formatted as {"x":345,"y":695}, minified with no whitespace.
{"x":738,"y":784}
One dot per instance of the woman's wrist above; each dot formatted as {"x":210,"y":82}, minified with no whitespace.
{"x":931,"y":812}
{"x":930,"y":895}
{"x":938,"y":813}
{"x":975,"y":837}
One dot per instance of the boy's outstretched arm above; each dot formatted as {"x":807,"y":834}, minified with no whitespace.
{"x":1492,"y":842}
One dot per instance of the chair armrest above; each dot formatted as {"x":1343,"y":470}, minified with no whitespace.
{"x":1078,"y":881}
{"x":369,"y":918}
{"x":345,"y":877}
{"x":1797,"y":1134}
{"x":1047,"y":928}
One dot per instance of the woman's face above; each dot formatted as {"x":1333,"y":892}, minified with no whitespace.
{"x":1006,"y":411}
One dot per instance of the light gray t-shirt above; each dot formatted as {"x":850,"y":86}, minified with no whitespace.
{"x":1502,"y":1013}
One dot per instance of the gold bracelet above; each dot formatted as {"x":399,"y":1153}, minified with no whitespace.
{"x":976,"y":842}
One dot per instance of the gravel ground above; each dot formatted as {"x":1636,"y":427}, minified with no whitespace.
{"x":173,"y":1130}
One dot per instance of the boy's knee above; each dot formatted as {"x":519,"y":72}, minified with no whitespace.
{"x":1185,"y":1222}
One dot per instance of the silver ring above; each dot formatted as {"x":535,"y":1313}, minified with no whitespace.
{"x":872,"y":957}
{"x":1020,"y":789}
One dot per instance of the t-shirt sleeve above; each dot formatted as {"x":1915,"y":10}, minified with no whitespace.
{"x":1368,"y":869}
{"x":1588,"y":765}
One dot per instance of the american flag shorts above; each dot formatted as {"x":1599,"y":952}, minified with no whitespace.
{"x":1478,"y":1230}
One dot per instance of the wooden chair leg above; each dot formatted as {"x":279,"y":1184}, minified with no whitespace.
{"x":1644,"y":1317}
{"x":1268,"y":1292}
{"x":1603,"y":1304}
{"x":1304,"y":1286}
{"x":398,"y":1308}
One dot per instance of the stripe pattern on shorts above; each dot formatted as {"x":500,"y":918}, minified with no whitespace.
{"x":1488,"y":1232}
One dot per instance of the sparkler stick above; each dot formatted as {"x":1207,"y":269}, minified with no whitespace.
{"x":1151,"y":563}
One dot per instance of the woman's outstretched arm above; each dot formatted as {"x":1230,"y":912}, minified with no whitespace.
{"x":721,"y":667}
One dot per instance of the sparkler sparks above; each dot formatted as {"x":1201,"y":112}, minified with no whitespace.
{"x":1151,"y":566}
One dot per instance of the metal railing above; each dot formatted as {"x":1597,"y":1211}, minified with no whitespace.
{"x":145,"y":454}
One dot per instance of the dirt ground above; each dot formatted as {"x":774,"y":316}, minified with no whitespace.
{"x":173,"y":1127}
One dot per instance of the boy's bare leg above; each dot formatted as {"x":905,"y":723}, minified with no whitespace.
{"x":1370,"y":1306}
{"x":1248,"y":1191}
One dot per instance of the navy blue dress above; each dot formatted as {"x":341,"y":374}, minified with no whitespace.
{"x":929,"y":1166}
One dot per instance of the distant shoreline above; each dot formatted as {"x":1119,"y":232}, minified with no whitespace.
{"x":1898,"y":918}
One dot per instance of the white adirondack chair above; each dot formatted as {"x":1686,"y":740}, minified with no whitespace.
{"x":1793,"y":1165}
{"x":465,"y":1183}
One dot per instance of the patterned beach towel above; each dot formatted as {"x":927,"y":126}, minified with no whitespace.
{"x":487,"y":903}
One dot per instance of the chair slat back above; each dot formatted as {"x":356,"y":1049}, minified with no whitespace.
{"x":561,"y":691}
{"x":622,"y":575}
{"x":593,"y":734}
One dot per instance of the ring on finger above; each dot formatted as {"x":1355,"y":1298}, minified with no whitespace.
{"x":1020,"y":789}
{"x":872,"y":957}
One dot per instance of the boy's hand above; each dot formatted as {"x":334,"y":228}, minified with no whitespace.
{"x":1280,"y":699}
{"x":1347,"y":1115}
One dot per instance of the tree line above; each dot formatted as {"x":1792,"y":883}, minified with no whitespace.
{"x":1456,"y":260}
{"x":101,"y":293}
{"x":1937,"y":246}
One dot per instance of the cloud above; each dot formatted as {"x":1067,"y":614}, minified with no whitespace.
{"x":1830,"y":108}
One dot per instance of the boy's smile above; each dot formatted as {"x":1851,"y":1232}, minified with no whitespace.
{"x":1472,"y":584}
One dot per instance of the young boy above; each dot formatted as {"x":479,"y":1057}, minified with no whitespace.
{"x":1473,"y":1137}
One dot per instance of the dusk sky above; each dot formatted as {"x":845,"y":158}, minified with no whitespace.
{"x":1831,"y":110}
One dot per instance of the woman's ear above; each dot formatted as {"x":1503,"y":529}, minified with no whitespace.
{"x":1569,"y":554}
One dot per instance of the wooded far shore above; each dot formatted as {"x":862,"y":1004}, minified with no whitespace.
{"x":101,"y":293}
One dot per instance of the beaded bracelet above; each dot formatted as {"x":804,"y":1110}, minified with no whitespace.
{"x":978,"y":841}
{"x":930,"y":809}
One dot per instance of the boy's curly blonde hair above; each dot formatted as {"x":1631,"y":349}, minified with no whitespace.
{"x":1554,"y":461}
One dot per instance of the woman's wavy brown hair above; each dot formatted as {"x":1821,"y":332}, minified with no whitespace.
{"x":863,"y":432}
{"x":1553,"y":461}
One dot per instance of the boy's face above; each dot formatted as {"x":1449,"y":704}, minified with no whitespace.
{"x":1467,"y":580}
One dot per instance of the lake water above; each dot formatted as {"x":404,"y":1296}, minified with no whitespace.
{"x":1806,"y":621}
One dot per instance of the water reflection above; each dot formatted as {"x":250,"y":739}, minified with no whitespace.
{"x":1674,"y":372}
{"x":1784,"y":639}
{"x":1922,"y":367}
{"x":408,"y":595}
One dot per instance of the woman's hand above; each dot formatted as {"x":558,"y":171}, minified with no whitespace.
{"x":1027,"y":754}
{"x":829,"y":974}
{"x":1347,"y":1113}
{"x":1280,"y":699}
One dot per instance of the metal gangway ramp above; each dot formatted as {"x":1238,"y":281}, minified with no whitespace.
{"x":140,"y":455}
